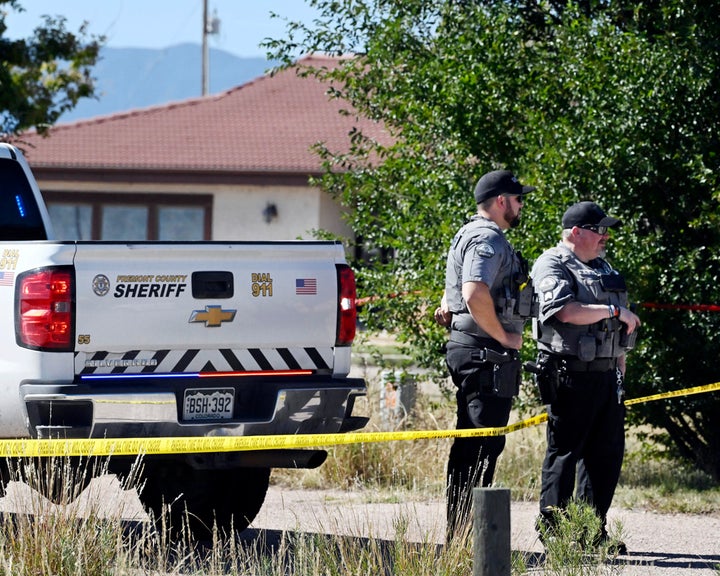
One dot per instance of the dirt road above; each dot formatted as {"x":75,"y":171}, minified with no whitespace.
{"x":658,"y":544}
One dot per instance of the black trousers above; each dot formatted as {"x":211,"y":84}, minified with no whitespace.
{"x":472,"y":461}
{"x":585,"y":423}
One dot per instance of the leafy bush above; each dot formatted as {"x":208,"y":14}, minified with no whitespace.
{"x":583,"y":100}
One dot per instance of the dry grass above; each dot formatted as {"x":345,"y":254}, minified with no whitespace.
{"x":66,"y":542}
{"x":415,"y":469}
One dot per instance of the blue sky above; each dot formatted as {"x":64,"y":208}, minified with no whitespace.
{"x":162,"y":23}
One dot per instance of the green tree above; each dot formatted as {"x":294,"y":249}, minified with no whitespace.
{"x":45,"y":75}
{"x":609,"y":101}
{"x":642,"y":139}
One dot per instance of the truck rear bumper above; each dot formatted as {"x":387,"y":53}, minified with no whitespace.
{"x":154,"y":408}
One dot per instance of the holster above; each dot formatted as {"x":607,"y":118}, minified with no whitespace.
{"x":506,"y":378}
{"x":547,"y":373}
{"x":506,"y":368}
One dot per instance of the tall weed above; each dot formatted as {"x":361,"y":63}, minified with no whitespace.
{"x":58,"y":538}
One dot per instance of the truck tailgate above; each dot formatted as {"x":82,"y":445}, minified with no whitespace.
{"x":188,"y":307}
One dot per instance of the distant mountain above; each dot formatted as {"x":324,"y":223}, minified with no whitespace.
{"x":130,"y":78}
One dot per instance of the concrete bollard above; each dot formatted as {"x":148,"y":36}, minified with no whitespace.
{"x":491,"y":532}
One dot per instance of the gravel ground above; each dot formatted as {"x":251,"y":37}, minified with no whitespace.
{"x":658,"y":544}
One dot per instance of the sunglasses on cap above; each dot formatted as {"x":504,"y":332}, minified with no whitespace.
{"x":602,"y":230}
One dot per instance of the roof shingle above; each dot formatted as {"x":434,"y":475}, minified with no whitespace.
{"x":266,"y":125}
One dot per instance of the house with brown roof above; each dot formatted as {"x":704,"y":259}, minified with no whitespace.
{"x":230,"y":166}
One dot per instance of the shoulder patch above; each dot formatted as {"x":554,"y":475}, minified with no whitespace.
{"x":547,"y":284}
{"x":484,"y":250}
{"x":546,"y":288}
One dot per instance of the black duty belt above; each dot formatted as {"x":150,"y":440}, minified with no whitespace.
{"x":470,"y":339}
{"x":488,"y":350}
{"x":599,"y":365}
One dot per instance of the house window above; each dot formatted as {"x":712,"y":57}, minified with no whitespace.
{"x":181,"y":223}
{"x":130,"y":217}
{"x":71,"y":221}
{"x":124,"y":222}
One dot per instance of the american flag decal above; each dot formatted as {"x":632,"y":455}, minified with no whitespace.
{"x":6,"y":278}
{"x":306,"y":286}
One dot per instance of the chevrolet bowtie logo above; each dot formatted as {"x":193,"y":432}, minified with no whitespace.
{"x":213,"y":316}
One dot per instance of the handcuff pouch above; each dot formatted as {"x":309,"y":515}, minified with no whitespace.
{"x":587,"y":348}
{"x":627,"y":341}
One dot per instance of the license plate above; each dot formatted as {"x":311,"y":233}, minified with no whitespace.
{"x":208,"y":403}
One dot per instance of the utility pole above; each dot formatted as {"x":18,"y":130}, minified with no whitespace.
{"x":210,"y":26}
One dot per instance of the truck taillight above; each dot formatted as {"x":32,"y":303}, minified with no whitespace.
{"x":44,"y":309}
{"x":347,"y":313}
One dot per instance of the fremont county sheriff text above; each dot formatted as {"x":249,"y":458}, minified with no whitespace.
{"x":150,"y":285}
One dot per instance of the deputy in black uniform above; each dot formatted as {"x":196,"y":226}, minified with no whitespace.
{"x":583,"y":331}
{"x":488,"y":297}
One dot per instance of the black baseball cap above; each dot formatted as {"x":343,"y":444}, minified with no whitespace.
{"x":499,"y":182}
{"x":587,"y":214}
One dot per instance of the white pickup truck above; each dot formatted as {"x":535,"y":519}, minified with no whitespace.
{"x":173,"y":339}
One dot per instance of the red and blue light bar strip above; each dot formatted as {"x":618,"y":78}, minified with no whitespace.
{"x":198,"y":375}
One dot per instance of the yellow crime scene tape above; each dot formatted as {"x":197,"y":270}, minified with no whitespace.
{"x":31,"y":448}
{"x":675,"y":393}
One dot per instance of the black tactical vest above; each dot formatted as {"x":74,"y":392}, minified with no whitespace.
{"x":511,"y":291}
{"x":594,"y":283}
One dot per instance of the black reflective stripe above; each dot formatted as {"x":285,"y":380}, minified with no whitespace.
{"x":218,"y":360}
{"x":260,"y":359}
{"x":127,"y":356}
{"x":317,"y":358}
{"x":96,"y":356}
{"x":289,"y":359}
{"x":159,"y":356}
{"x":185,"y":361}
{"x":232,"y":360}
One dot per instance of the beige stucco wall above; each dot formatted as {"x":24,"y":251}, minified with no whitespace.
{"x":238,"y":214}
